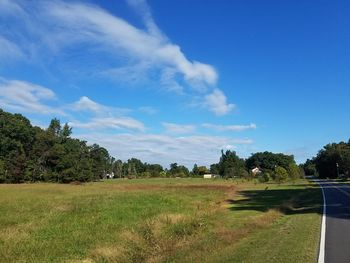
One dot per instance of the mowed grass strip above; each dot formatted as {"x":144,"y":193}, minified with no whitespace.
{"x":160,"y":220}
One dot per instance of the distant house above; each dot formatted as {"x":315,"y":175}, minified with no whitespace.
{"x":256,"y":171}
{"x":209,"y":176}
{"x":110,"y":176}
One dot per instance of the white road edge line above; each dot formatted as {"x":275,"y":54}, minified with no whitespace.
{"x":321,"y":254}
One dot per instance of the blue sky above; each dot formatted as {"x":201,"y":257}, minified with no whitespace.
{"x":177,"y":81}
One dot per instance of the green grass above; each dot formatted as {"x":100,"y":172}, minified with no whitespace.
{"x":160,"y":220}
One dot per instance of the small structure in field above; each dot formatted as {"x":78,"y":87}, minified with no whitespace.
{"x":256,"y":171}
{"x":110,"y":176}
{"x":209,"y":176}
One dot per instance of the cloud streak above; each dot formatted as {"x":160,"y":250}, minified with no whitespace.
{"x":238,"y":128}
{"x":110,"y":123}
{"x":9,"y":50}
{"x":178,"y":128}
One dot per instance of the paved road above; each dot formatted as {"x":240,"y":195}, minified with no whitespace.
{"x":337,"y":237}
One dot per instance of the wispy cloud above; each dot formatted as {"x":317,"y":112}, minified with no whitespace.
{"x":27,"y":97}
{"x":9,"y":50}
{"x":251,"y":126}
{"x":80,"y":22}
{"x":178,"y":128}
{"x":110,"y":123}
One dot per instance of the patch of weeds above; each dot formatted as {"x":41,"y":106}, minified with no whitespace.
{"x":159,"y":239}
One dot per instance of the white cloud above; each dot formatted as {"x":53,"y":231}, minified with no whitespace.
{"x":26,"y":97}
{"x":217,"y":103}
{"x":229,"y":127}
{"x":166,"y":149}
{"x":86,"y":104}
{"x":178,"y":128}
{"x":110,"y":123}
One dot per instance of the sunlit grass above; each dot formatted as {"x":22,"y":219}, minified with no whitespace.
{"x":157,"y":220}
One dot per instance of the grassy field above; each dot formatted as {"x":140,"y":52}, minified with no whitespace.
{"x":160,"y":220}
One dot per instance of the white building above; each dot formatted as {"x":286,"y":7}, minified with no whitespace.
{"x":256,"y":171}
{"x":209,"y":176}
{"x":110,"y":176}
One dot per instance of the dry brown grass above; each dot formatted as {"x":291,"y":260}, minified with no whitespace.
{"x":153,"y":241}
{"x":232,"y":236}
{"x":178,"y":186}
{"x":107,"y":254}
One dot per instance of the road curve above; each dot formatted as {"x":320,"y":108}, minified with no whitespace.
{"x":337,"y":225}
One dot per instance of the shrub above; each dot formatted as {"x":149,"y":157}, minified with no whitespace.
{"x":264,"y":177}
{"x":281,"y":174}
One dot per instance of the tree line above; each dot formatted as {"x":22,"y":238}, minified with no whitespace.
{"x":30,"y":154}
{"x":332,"y":161}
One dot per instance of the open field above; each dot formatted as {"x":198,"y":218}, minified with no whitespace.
{"x":160,"y":220}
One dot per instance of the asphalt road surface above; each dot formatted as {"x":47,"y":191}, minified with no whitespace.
{"x":337,"y":226}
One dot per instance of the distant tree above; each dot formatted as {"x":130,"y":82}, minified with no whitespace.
{"x":3,"y":178}
{"x":293,"y":171}
{"x":202,"y":170}
{"x":54,"y":127}
{"x":230,"y":165}
{"x":269,"y":160}
{"x":100,"y":160}
{"x":333,"y":158}
{"x":281,"y":174}
{"x":195,"y":170}
{"x":214,"y":168}
{"x":66,"y":131}
{"x":118,"y":169}
{"x":178,"y":170}
{"x":309,"y":167}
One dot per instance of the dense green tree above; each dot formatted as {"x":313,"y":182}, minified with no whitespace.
{"x":230,"y":165}
{"x":66,"y":131}
{"x":100,"y":161}
{"x":334,"y":158}
{"x":178,"y":171}
{"x":195,"y":170}
{"x":269,"y":160}
{"x":30,"y":153}
{"x":54,"y":127}
{"x":214,"y":168}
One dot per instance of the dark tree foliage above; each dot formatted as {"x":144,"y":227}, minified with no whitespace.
{"x":269,"y":160}
{"x":178,"y":171}
{"x":333,"y":160}
{"x":229,"y":166}
{"x":199,"y":171}
{"x":309,"y":167}
{"x":32,"y":154}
